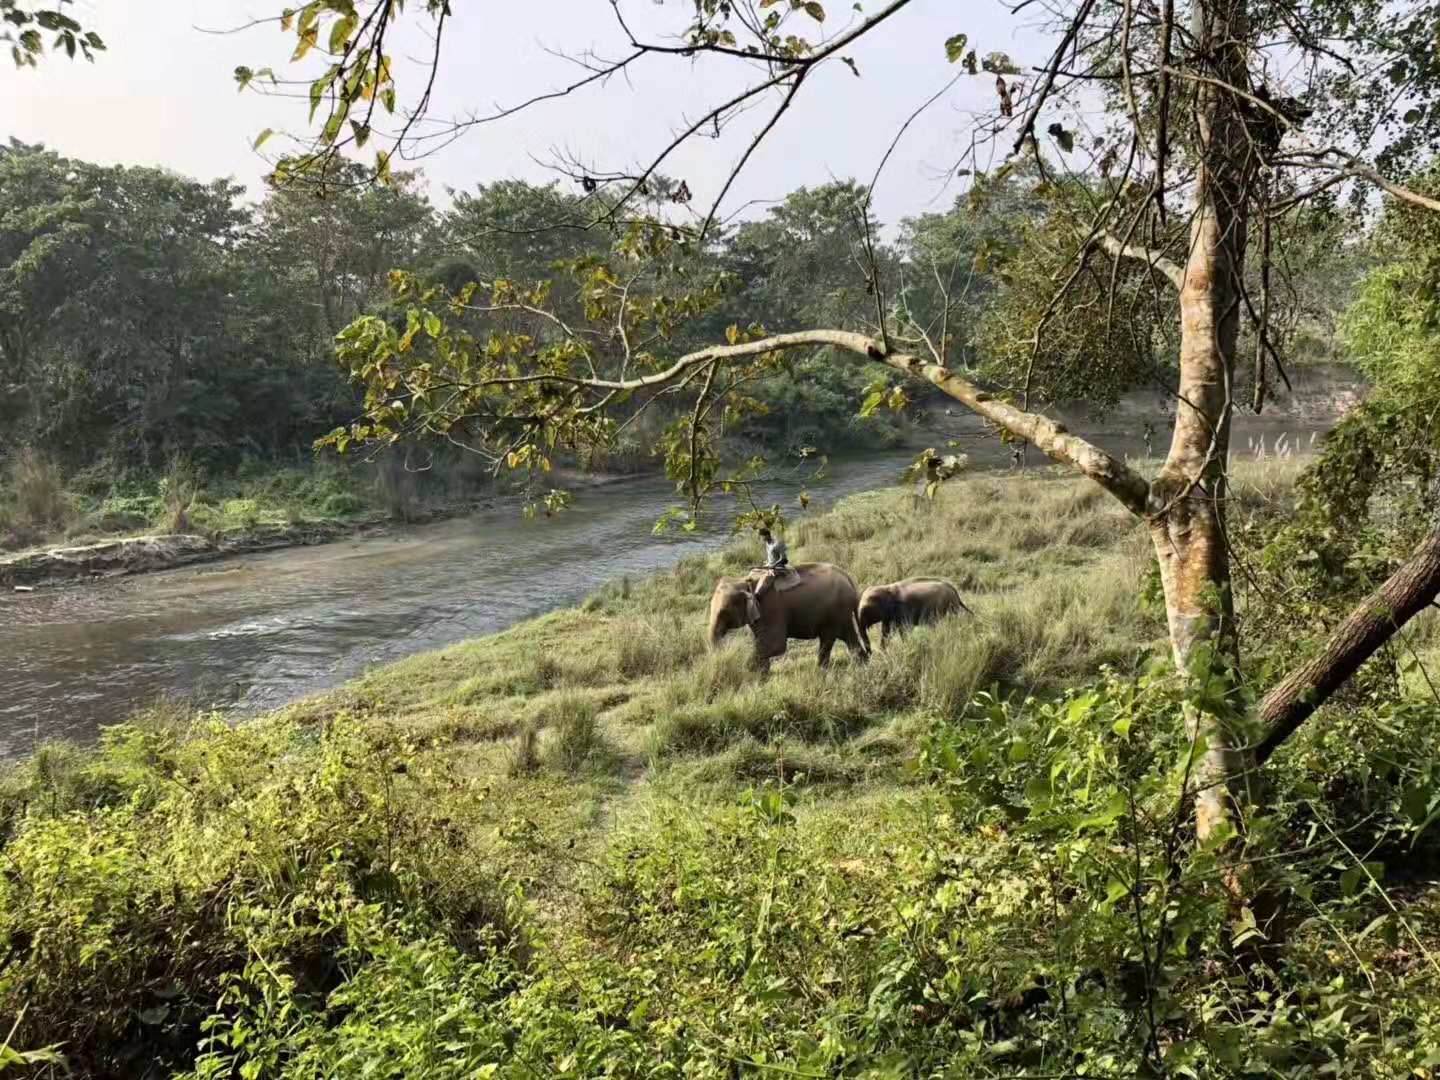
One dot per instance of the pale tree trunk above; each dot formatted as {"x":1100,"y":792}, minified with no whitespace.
{"x":1187,"y":499}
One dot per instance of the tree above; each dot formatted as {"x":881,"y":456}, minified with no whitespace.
{"x":1214,"y":144}
{"x":139,"y":315}
{"x":336,"y":246}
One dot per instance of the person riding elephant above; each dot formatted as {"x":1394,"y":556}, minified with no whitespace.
{"x":817,"y":601}
{"x":777,"y":563}
{"x":911,"y":602}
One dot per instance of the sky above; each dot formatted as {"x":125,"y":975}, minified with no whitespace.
{"x":164,"y":94}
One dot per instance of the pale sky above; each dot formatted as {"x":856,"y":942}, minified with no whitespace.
{"x":163,"y":94}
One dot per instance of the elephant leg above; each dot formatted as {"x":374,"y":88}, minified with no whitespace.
{"x":884,"y":631}
{"x":826,"y":646}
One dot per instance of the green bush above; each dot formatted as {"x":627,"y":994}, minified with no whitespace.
{"x":240,"y":513}
{"x":176,"y":890}
{"x":341,"y":504}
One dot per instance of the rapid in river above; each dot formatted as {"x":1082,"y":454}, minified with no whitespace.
{"x":255,"y":632}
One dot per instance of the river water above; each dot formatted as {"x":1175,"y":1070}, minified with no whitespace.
{"x":255,"y":632}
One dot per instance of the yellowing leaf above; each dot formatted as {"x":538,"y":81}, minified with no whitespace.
{"x":306,"y":43}
{"x":815,"y":10}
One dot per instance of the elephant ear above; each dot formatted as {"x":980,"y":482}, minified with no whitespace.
{"x":752,"y":607}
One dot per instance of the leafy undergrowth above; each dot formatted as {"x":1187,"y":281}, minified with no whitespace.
{"x":586,"y":848}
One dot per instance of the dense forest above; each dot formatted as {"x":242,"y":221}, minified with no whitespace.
{"x":1157,"y":796}
{"x":152,"y":319}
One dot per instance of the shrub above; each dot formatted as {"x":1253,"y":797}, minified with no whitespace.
{"x":240,"y":513}
{"x":179,"y":490}
{"x":38,"y":503}
{"x":180,"y":885}
{"x":341,"y":504}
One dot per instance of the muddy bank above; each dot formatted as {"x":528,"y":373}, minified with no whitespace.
{"x":121,"y":556}
{"x":139,"y":554}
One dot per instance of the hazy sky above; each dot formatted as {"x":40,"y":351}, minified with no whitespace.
{"x":164,"y":94}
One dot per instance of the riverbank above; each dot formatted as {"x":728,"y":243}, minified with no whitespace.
{"x":586,"y":846}
{"x":140,"y":553}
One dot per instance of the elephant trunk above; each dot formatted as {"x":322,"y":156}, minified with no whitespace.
{"x":719,"y":627}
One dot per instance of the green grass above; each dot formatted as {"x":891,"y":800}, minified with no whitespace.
{"x":1051,"y":568}
{"x":588,"y":846}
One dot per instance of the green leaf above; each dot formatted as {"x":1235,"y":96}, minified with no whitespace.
{"x":955,"y":47}
{"x":1038,"y":791}
{"x":341,"y":31}
{"x":432,"y":324}
{"x":260,"y":139}
{"x":317,"y":93}
{"x":999,"y":63}
{"x":362,"y":133}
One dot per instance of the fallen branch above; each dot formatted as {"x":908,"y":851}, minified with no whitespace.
{"x":1410,"y":590}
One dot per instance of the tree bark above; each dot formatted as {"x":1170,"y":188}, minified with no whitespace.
{"x":1186,"y":511}
{"x":1409,"y":591}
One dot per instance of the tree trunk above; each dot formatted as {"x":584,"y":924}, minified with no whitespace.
{"x":1186,"y":506}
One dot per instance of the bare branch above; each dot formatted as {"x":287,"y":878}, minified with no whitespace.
{"x":1052,"y":69}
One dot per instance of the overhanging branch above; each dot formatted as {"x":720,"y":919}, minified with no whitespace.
{"x":1048,"y":436}
{"x":1167,"y":268}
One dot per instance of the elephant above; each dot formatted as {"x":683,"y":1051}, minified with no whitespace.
{"x":819,"y":603}
{"x":903,"y":604}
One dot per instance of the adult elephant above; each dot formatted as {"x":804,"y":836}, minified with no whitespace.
{"x":903,"y":604}
{"x":818,"y":601}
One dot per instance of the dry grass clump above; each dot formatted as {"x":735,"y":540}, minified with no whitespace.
{"x":35,"y":501}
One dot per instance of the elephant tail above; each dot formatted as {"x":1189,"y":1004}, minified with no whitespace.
{"x":963,"y":606}
{"x":860,"y":631}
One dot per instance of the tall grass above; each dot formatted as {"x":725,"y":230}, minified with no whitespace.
{"x":37,"y":500}
{"x":1053,"y":569}
{"x":180,"y":490}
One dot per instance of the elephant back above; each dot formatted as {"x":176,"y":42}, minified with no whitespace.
{"x":810,"y":575}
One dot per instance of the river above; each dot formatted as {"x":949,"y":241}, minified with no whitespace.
{"x":255,"y":632}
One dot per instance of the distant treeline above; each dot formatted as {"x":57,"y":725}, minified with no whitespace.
{"x":144,"y":315}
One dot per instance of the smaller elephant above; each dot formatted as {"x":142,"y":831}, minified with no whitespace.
{"x":903,"y":604}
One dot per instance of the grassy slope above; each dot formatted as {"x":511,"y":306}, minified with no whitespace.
{"x":1050,"y":567}
{"x":715,"y":872}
